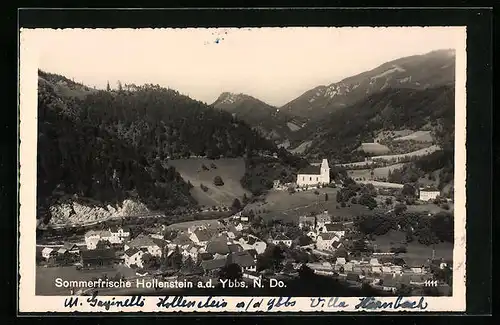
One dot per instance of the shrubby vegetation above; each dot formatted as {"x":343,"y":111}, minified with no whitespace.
{"x":427,"y":230}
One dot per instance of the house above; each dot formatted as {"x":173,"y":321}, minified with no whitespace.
{"x":282,"y":239}
{"x":389,"y":283}
{"x":337,"y":245}
{"x":191,"y":251}
{"x":340,"y":261}
{"x":153,"y":246}
{"x":243,"y":259}
{"x":204,"y":256}
{"x":213,"y":266}
{"x":72,"y":248}
{"x":244,"y":218}
{"x":62,"y":251}
{"x":218,"y":246}
{"x":376,"y":269}
{"x":374,"y":262}
{"x":312,"y":234}
{"x":182,"y":240}
{"x":323,"y":219}
{"x":396,"y":269}
{"x":133,"y":256}
{"x":234,"y":248}
{"x":428,"y":194}
{"x":201,"y":236}
{"x":324,"y":241}
{"x":314,"y":175}
{"x":98,"y":257}
{"x":336,"y":228}
{"x":307,"y":221}
{"x":92,"y":237}
{"x":386,"y":269}
{"x":348,"y":267}
{"x":118,"y":234}
{"x":239,"y":227}
{"x":48,"y":252}
{"x":252,"y":275}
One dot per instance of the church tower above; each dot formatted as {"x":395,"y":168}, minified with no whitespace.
{"x":325,"y":171}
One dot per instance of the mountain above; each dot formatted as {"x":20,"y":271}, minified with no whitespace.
{"x":340,"y":135}
{"x":112,"y":145}
{"x":268,"y":120}
{"x":419,"y":72}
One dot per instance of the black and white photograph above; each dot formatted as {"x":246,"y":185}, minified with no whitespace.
{"x":244,"y":162}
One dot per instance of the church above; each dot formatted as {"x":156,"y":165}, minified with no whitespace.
{"x":314,"y":175}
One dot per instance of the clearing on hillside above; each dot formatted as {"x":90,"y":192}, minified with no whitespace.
{"x":417,"y":153}
{"x":380,"y":172}
{"x":301,"y":148}
{"x":387,"y":135}
{"x":231,"y":170}
{"x":420,"y":136}
{"x":374,"y":148}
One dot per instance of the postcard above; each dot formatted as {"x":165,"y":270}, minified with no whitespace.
{"x":292,"y":169}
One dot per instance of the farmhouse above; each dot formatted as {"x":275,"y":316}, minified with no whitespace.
{"x":133,"y":256}
{"x":428,"y":194}
{"x":98,"y":257}
{"x":314,"y":175}
{"x":335,"y":228}
{"x":153,"y":246}
{"x":282,"y":239}
{"x":306,"y":221}
{"x":325,"y":240}
{"x":323,"y":219}
{"x":48,"y":252}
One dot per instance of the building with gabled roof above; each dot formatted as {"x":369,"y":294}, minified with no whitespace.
{"x":282,"y":239}
{"x":314,"y":175}
{"x":325,"y":241}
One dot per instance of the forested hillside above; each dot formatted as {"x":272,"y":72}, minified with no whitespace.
{"x":110,"y":145}
{"x":338,"y":136}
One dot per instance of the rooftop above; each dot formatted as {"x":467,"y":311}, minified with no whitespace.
{"x":310,"y":170}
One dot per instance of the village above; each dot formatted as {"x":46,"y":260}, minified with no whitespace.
{"x":321,"y":243}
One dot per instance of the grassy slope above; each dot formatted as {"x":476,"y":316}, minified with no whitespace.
{"x":230,"y":169}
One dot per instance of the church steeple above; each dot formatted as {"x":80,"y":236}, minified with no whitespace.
{"x":325,"y":171}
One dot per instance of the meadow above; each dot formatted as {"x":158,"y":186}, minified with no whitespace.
{"x":231,"y":170}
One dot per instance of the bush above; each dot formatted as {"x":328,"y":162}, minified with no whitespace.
{"x":445,"y":206}
{"x":342,"y":204}
{"x":218,"y":181}
{"x":203,"y":188}
{"x":213,"y":166}
{"x":203,"y":167}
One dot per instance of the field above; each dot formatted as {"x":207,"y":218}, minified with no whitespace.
{"x":293,"y":127}
{"x":429,"y":207}
{"x":421,"y":136}
{"x":385,"y":135}
{"x":374,"y":148}
{"x":380,"y":172}
{"x":231,"y":170}
{"x":284,"y":206}
{"x":302,"y":147}
{"x":187,"y":224}
{"x":417,"y":253}
{"x":46,"y":276}
{"x":421,"y":152}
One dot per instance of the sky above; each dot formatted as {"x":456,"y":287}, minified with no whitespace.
{"x":274,"y":65}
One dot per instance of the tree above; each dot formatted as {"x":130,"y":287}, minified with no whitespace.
{"x":236,"y":205}
{"x":108,"y":88}
{"x":326,"y":196}
{"x":245,"y":199}
{"x":400,"y":208}
{"x":218,"y":181}
{"x":408,"y":190}
{"x":231,"y":272}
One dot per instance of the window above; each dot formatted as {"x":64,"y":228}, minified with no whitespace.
{"x":310,"y":178}
{"x":316,"y":179}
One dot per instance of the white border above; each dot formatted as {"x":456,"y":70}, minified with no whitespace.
{"x":29,"y":302}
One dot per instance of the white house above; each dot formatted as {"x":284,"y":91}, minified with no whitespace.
{"x":323,"y":219}
{"x":311,"y":234}
{"x":133,"y":256}
{"x":48,"y":252}
{"x":282,"y":239}
{"x":252,"y":242}
{"x":92,"y":237}
{"x":307,"y":221}
{"x":153,"y":246}
{"x":314,"y":175}
{"x":325,"y":241}
{"x":428,"y":195}
{"x":118,"y":235}
{"x":201,"y":236}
